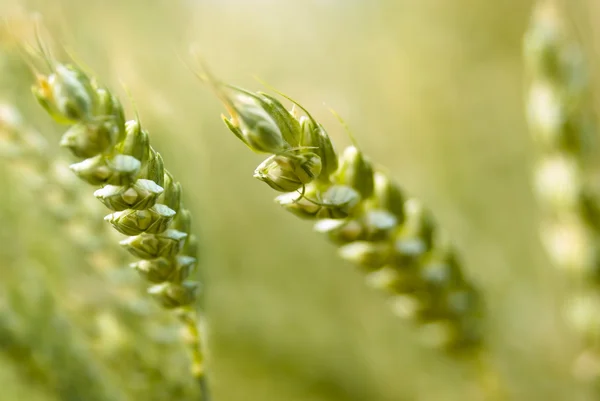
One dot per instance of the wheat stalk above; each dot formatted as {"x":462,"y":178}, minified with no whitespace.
{"x":144,"y":197}
{"x":564,"y":132}
{"x":390,"y":236}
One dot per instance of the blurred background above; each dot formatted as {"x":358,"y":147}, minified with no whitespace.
{"x":433,"y":90}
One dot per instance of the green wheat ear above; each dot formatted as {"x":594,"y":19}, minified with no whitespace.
{"x":143,"y":196}
{"x":562,"y":126}
{"x":36,"y":333}
{"x":390,"y":236}
{"x":60,"y":192}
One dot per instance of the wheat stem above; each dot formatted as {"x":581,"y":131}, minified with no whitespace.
{"x":191,"y":323}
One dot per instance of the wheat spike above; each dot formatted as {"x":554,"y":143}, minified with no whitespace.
{"x":354,"y":202}
{"x":145,"y":199}
{"x":562,"y":127}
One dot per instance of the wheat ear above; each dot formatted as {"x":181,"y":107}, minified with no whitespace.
{"x":51,"y":180}
{"x":144,"y":197}
{"x":563,"y":129}
{"x":392,"y":237}
{"x":35,"y":334}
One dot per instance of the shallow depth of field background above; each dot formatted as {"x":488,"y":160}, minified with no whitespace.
{"x":433,"y":90}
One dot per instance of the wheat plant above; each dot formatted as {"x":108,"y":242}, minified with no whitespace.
{"x":145,"y":198}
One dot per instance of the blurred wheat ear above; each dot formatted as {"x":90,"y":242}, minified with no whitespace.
{"x":36,"y":349}
{"x":564,"y":130}
{"x":144,"y":197}
{"x":390,"y":236}
{"x":29,"y":157}
{"x":25,"y":151}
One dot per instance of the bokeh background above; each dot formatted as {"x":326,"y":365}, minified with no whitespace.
{"x":433,"y":90}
